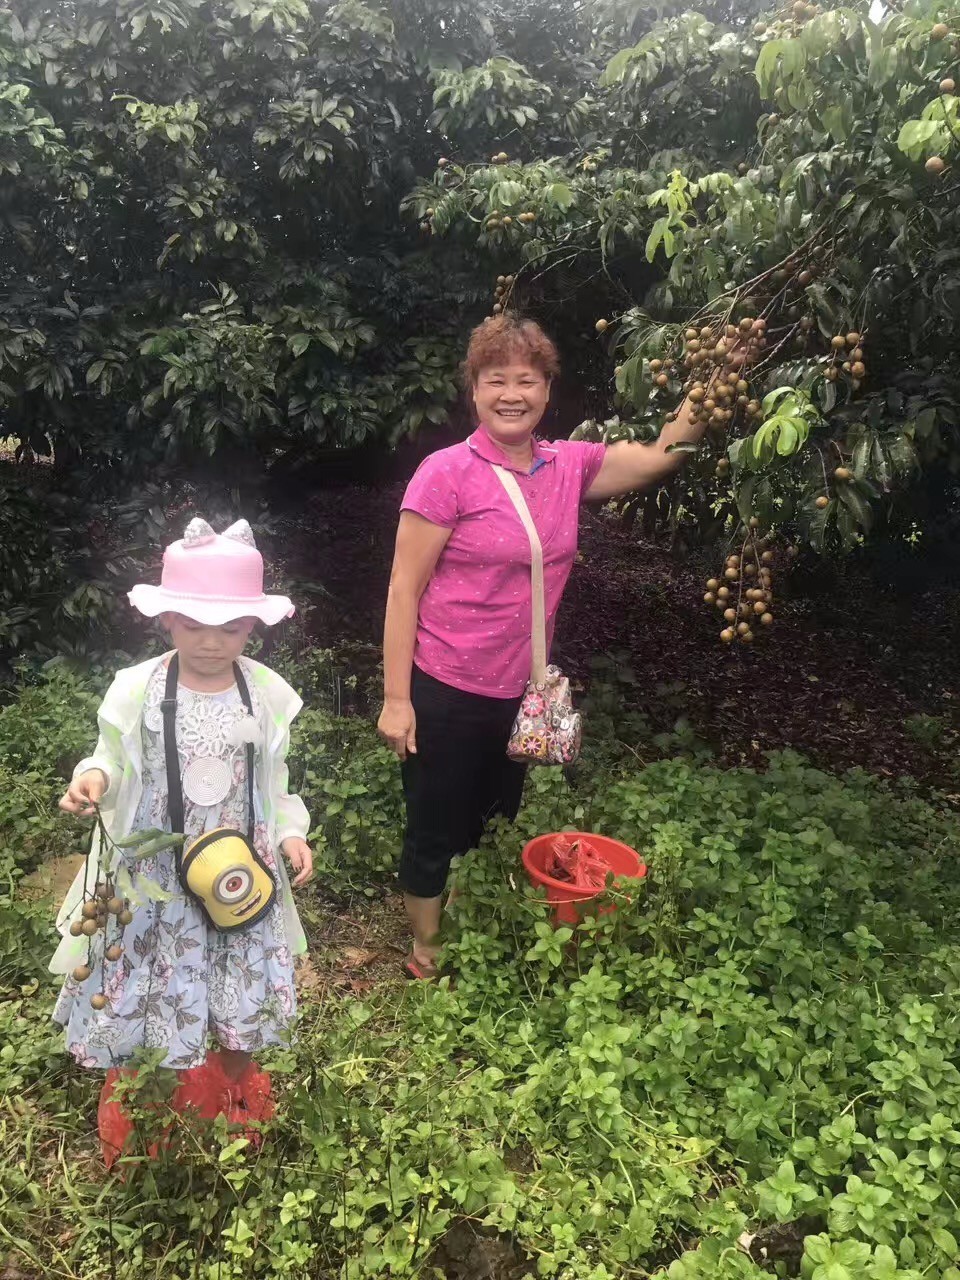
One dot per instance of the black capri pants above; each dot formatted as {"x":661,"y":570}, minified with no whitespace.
{"x":457,"y":781}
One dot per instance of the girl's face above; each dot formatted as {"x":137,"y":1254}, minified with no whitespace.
{"x":511,"y":399}
{"x":210,"y":651}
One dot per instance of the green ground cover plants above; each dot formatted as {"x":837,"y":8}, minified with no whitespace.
{"x":749,"y":1068}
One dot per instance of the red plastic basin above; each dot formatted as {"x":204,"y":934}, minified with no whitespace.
{"x":622,"y":860}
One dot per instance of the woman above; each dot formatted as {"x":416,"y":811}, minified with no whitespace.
{"x":457,"y":641}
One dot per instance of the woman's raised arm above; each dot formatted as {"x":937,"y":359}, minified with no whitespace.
{"x":631,"y":465}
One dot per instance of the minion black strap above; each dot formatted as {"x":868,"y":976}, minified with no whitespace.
{"x":168,"y":708}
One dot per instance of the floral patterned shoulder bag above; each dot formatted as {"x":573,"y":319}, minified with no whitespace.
{"x":547,"y":729}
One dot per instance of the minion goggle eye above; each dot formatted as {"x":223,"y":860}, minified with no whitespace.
{"x":232,"y":884}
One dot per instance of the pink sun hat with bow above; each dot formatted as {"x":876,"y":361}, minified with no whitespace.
{"x":212,"y":578}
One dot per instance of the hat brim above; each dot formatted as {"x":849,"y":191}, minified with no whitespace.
{"x":152,"y":601}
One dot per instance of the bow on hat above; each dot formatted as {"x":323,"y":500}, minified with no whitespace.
{"x":198,"y":533}
{"x":213,"y":579}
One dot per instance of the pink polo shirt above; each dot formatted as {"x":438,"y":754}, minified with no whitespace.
{"x":473,"y":630}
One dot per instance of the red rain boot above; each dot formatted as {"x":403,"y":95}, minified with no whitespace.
{"x":252,"y":1101}
{"x":113,"y":1123}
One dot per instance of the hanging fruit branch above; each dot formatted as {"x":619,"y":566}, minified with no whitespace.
{"x":749,"y":573}
{"x":105,"y":908}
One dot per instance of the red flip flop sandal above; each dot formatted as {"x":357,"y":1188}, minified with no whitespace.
{"x":417,"y":972}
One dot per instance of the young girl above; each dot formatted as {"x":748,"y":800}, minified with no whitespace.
{"x":175,"y":976}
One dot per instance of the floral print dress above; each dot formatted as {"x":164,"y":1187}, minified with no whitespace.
{"x":179,"y":979}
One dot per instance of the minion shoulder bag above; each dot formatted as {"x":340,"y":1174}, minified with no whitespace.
{"x":221,"y":870}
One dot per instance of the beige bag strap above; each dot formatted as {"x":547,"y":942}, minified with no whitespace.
{"x":538,"y":669}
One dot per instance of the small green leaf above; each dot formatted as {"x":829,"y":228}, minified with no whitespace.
{"x":506,"y":194}
{"x":767,"y":65}
{"x":140,"y":837}
{"x":944,"y":1240}
{"x":560,"y":194}
{"x":788,"y":439}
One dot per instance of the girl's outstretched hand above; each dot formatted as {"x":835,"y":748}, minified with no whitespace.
{"x":297,"y":853}
{"x":84,"y":792}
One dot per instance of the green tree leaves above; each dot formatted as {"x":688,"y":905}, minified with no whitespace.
{"x":499,"y":94}
{"x":789,"y":414}
{"x":936,"y":133}
{"x":674,"y":163}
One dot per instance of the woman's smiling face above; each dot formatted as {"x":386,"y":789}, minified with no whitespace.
{"x":511,"y":399}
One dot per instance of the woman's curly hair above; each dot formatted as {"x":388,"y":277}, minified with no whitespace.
{"x":501,"y":339}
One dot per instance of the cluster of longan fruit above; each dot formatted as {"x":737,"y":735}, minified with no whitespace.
{"x":95,"y":916}
{"x":716,"y":390}
{"x":802,"y":12}
{"x":502,"y":292}
{"x":847,"y":358}
{"x":744,"y":592}
{"x":496,"y":220}
{"x":709,"y":370}
{"x":799,"y":13}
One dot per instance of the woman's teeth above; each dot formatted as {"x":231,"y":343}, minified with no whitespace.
{"x":511,"y":413}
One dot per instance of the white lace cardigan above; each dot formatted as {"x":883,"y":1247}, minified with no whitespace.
{"x":118,"y":754}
